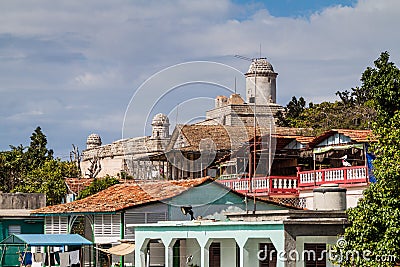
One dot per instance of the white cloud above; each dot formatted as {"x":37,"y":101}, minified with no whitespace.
{"x":94,"y":54}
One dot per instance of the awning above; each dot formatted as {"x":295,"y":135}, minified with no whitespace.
{"x":320,"y":150}
{"x":119,"y":250}
{"x":46,"y":240}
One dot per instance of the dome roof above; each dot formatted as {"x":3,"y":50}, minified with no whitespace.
{"x":260,"y":65}
{"x":93,"y":139}
{"x":160,"y":119}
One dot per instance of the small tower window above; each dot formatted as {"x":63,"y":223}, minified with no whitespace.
{"x":158,"y":133}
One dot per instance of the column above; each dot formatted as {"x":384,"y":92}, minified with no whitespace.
{"x":169,"y":253}
{"x":241,"y":242}
{"x":204,"y":252}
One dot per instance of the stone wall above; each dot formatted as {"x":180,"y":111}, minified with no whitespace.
{"x":243,"y":115}
{"x":28,"y":201}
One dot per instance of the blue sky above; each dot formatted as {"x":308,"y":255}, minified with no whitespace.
{"x":296,"y":8}
{"x":72,"y":67}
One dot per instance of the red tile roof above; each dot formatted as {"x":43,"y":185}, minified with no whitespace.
{"x":75,"y":185}
{"x":122,"y":196}
{"x":130,"y":194}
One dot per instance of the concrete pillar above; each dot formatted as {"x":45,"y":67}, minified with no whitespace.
{"x":140,"y":252}
{"x":204,"y":252}
{"x":169,"y":252}
{"x":243,"y":254}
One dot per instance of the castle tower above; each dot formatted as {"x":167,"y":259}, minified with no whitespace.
{"x":261,"y":83}
{"x":93,"y":141}
{"x":160,"y":125}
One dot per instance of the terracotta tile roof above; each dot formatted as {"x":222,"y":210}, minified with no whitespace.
{"x":122,"y":196}
{"x":357,"y":136}
{"x":75,"y":185}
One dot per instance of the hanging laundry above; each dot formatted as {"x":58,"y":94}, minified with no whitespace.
{"x":64,"y":259}
{"x":74,"y":257}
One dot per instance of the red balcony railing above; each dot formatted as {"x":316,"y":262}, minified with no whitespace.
{"x":346,"y":175}
{"x":272,"y":185}
{"x":290,"y":185}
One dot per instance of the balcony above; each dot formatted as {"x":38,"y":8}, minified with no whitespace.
{"x":346,"y":176}
{"x":261,"y":186}
{"x":290,"y":185}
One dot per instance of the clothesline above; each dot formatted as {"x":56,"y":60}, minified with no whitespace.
{"x":61,"y":259}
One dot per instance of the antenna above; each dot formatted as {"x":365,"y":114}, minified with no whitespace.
{"x":253,"y":174}
{"x":245,"y":58}
{"x":235,"y":85}
{"x":176,"y":119}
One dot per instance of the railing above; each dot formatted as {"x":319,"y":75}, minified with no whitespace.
{"x":263,"y":185}
{"x":346,"y":175}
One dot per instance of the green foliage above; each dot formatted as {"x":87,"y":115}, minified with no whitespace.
{"x":293,"y":112}
{"x":37,"y":153}
{"x":47,"y":179}
{"x":330,"y":115}
{"x":32,"y":169}
{"x":375,"y":222}
{"x":98,"y":185}
{"x":382,"y":82}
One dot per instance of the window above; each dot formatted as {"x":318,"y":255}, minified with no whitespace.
{"x":268,"y":257}
{"x":56,"y":225}
{"x":142,"y":217}
{"x":315,"y":254}
{"x":107,"y":224}
{"x":14,"y":229}
{"x":215,"y":255}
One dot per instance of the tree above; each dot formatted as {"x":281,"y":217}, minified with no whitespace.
{"x":375,"y":222}
{"x":382,"y":82}
{"x":32,"y":169}
{"x":98,"y":185}
{"x":48,"y":179}
{"x":293,"y":112}
{"x":37,"y":153}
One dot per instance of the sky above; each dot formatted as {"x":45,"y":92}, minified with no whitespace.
{"x":80,"y":67}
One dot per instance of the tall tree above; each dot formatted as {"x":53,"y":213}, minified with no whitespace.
{"x":37,"y":152}
{"x":375,"y":222}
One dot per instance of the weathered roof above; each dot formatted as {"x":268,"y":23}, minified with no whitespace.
{"x":130,"y":194}
{"x":220,"y":137}
{"x":358,"y":136}
{"x":122,"y":196}
{"x":75,"y":185}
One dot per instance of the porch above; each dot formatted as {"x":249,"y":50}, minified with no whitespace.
{"x":207,"y":244}
{"x":291,"y":185}
{"x":261,"y":186}
{"x":345,"y":176}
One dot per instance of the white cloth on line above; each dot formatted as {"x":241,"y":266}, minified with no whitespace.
{"x":64,"y":259}
{"x":74,"y":257}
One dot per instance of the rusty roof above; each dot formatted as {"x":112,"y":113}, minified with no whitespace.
{"x":357,"y":136}
{"x":121,"y":196}
{"x":219,"y":137}
{"x":75,"y":185}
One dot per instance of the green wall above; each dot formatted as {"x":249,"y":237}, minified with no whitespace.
{"x":9,"y":256}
